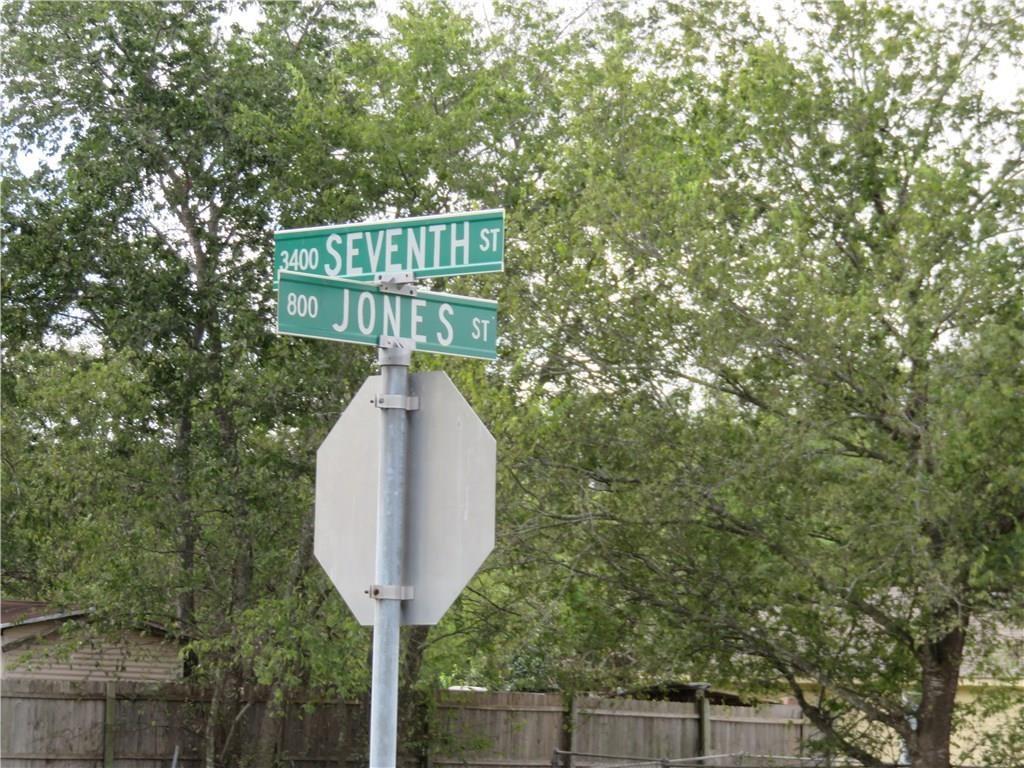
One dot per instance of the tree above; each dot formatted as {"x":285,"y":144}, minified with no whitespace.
{"x":160,"y":433}
{"x":759,"y":387}
{"x":138,"y":292}
{"x":796,"y":306}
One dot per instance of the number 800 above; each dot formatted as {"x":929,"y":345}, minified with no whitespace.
{"x":300,"y":305}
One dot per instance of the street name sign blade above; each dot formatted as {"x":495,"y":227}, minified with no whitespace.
{"x":451,"y":493}
{"x":345,"y":310}
{"x":426,"y":246}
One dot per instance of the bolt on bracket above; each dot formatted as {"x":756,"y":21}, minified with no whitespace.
{"x":410,"y":403}
{"x":390,"y":592}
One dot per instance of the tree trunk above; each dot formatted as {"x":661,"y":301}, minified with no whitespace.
{"x":413,"y":709}
{"x":187,"y":530}
{"x":353,"y":742}
{"x":929,"y":745}
{"x":210,"y":727}
{"x":271,"y":732}
{"x":272,"y":724}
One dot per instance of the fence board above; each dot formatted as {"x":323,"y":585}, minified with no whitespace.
{"x":774,"y":729}
{"x":321,"y":736}
{"x":502,"y":730}
{"x":636,"y":728}
{"x":71,"y":728}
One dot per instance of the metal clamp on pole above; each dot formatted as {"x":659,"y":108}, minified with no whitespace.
{"x":390,"y":592}
{"x":394,"y":350}
{"x":410,"y":403}
{"x":402,"y":283}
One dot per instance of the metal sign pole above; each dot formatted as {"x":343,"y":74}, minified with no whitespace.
{"x":388,"y":590}
{"x":326,"y":267}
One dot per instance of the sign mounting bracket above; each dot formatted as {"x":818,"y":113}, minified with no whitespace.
{"x":390,"y":592}
{"x":408,"y":403}
{"x":402,"y":283}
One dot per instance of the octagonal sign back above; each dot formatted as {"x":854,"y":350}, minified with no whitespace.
{"x":449,"y":522}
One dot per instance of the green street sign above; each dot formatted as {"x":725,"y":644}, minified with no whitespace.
{"x":426,"y":246}
{"x":345,"y":310}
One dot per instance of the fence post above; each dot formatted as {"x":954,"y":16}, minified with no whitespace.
{"x":109,"y":723}
{"x":704,"y":724}
{"x":571,"y":725}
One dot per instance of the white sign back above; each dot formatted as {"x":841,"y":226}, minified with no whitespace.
{"x":450,"y":506}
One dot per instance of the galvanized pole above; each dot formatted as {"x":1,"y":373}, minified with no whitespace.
{"x":388,"y":589}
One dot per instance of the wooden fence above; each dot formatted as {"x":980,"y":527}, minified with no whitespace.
{"x":665,"y":729}
{"x":126,"y":725}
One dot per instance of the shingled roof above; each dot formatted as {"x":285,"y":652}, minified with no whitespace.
{"x":28,"y":611}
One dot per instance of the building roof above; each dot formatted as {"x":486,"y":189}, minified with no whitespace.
{"x":14,"y":612}
{"x":683,"y":692}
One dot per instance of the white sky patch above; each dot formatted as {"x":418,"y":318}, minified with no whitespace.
{"x":1007,"y":81}
{"x":31,"y":161}
{"x":247,"y":19}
